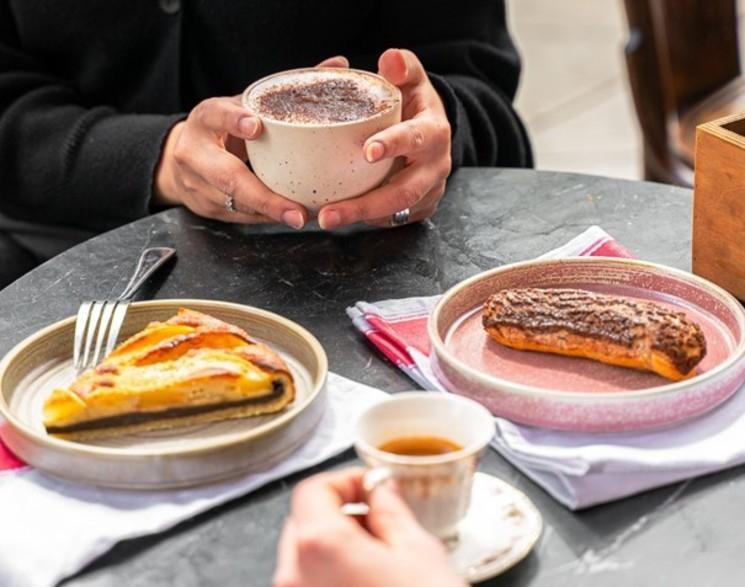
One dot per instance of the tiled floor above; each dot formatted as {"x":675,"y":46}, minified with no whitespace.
{"x":574,"y":94}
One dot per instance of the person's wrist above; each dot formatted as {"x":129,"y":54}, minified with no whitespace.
{"x":165,"y":192}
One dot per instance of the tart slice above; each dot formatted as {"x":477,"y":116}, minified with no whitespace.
{"x":192,"y":369}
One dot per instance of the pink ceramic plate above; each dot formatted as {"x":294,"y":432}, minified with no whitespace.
{"x":578,"y":394}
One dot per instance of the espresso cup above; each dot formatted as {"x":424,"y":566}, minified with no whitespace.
{"x":436,"y":487}
{"x":315,"y":163}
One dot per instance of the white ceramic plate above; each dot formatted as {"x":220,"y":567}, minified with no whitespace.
{"x":167,"y":458}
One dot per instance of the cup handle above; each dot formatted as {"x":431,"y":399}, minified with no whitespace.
{"x":374,"y":478}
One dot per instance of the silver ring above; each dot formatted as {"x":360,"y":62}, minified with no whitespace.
{"x":230,"y":203}
{"x":401,"y":217}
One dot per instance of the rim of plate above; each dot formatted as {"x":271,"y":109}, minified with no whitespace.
{"x":494,"y":569}
{"x":208,"y":445}
{"x":728,"y":299}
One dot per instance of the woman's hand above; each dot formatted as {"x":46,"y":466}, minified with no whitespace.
{"x":320,"y":546}
{"x":422,"y":139}
{"x":203,"y":166}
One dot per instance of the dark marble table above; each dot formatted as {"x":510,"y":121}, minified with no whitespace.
{"x":688,"y":533}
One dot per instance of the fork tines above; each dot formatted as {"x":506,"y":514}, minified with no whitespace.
{"x":97,"y":321}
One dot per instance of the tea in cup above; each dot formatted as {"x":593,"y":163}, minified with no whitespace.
{"x":430,"y":444}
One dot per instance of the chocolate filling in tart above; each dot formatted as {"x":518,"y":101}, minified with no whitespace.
{"x":132,"y":419}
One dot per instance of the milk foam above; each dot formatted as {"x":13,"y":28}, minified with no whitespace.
{"x":368,"y":84}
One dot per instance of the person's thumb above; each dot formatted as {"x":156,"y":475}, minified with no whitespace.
{"x":390,"y":518}
{"x":401,"y":67}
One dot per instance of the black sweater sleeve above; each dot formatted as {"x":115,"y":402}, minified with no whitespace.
{"x":56,"y":151}
{"x":473,"y":64}
{"x":84,"y":113}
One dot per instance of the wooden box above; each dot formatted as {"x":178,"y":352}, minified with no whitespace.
{"x":719,"y":203}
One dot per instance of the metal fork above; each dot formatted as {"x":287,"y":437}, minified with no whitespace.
{"x":97,"y":318}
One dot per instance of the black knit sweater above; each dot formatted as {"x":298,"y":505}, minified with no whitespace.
{"x":90,"y":88}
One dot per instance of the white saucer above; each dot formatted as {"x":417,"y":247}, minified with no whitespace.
{"x":500,"y":528}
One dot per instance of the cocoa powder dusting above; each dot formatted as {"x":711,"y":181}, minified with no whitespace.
{"x":320,"y":102}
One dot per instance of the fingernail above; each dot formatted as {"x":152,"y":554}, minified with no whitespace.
{"x":248,"y":126}
{"x":374,"y":151}
{"x":293,"y":218}
{"x":330,"y":220}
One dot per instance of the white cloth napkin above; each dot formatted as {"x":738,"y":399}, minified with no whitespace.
{"x":578,"y":469}
{"x":582,"y":469}
{"x":50,"y":528}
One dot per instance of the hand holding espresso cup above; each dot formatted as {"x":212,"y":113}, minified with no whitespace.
{"x":320,"y":546}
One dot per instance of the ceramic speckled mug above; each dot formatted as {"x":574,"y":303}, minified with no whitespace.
{"x":316,"y":162}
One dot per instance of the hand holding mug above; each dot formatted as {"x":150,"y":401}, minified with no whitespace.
{"x":203,"y":166}
{"x":422,"y":139}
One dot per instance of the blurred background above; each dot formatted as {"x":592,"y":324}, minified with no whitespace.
{"x":575,"y":94}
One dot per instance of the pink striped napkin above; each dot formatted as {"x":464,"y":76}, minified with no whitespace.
{"x":578,"y":469}
{"x":8,"y":461}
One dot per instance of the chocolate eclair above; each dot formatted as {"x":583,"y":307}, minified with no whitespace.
{"x":611,"y":329}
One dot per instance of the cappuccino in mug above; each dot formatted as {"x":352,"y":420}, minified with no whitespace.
{"x":321,"y":99}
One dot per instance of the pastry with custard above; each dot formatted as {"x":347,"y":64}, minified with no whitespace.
{"x":191,"y":369}
{"x":611,"y":329}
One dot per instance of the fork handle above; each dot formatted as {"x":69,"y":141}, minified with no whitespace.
{"x":150,"y":260}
